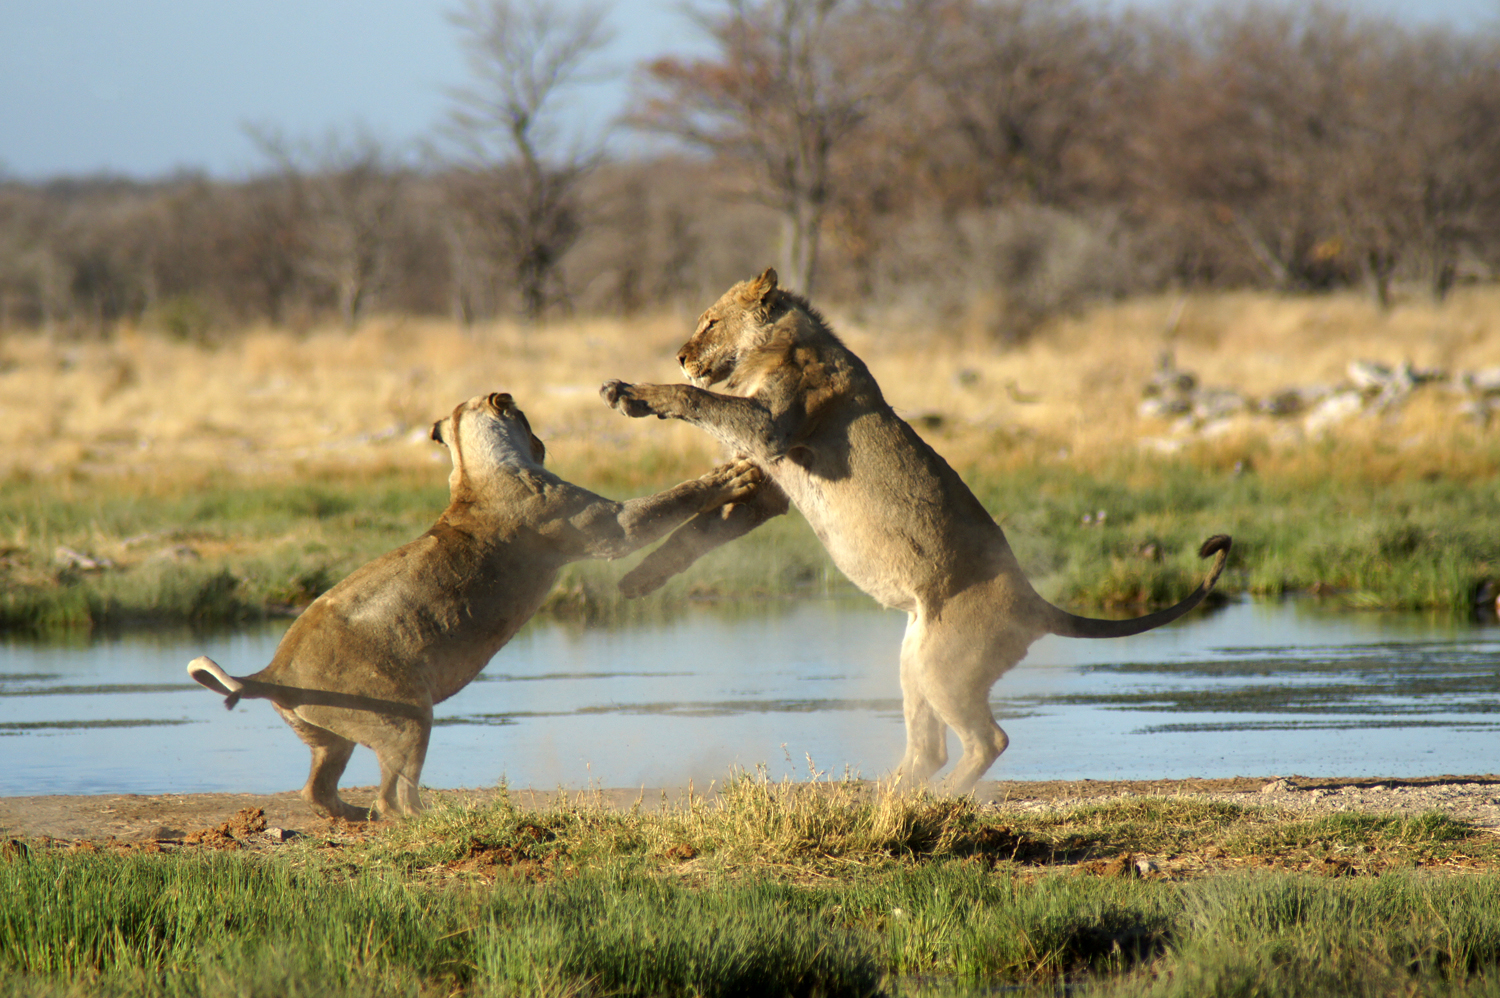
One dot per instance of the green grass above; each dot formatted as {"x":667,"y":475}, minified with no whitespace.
{"x":1422,"y":542}
{"x":1299,"y":936}
{"x":304,"y":922}
{"x":219,"y":923}
{"x":821,"y":888}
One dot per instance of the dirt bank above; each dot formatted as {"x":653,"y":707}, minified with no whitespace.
{"x":171,"y":817}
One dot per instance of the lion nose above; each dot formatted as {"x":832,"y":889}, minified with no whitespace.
{"x":682,"y":357}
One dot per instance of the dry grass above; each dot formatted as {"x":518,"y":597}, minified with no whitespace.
{"x":810,"y":831}
{"x":275,"y":404}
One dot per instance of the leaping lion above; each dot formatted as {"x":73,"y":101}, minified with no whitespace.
{"x":366,"y":662}
{"x":895,"y":518}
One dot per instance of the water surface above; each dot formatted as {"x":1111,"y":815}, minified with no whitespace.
{"x":1249,"y":689}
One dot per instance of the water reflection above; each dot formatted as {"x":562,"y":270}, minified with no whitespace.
{"x":1252,"y":689}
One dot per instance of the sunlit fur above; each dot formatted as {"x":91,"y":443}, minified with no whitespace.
{"x":895,"y":518}
{"x":366,"y":662}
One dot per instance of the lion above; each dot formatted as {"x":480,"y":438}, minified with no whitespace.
{"x":367,"y":660}
{"x":895,"y":518}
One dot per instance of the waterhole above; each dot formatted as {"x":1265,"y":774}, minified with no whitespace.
{"x":1249,"y":689}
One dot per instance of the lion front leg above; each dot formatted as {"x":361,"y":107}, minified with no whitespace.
{"x":700,"y":535}
{"x":615,"y":529}
{"x":637,"y":401}
{"x":746,"y":425}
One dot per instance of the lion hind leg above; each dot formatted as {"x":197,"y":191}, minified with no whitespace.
{"x":955,"y":673}
{"x":926,"y":733}
{"x":401,"y":755}
{"x":967,"y":711}
{"x":330,"y":755}
{"x":700,"y":535}
{"x":322,"y":789}
{"x":983,"y":741}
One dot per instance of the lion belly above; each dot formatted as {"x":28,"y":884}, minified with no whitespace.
{"x":897,"y":521}
{"x":416,"y":625}
{"x":865,"y":539}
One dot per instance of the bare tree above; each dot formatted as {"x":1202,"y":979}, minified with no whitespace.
{"x":517,"y":178}
{"x":791,"y":82}
{"x":350,"y":188}
{"x":1021,"y":83}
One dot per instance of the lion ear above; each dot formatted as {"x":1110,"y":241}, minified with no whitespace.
{"x":763,"y":288}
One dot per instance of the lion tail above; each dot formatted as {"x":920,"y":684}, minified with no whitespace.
{"x":1067,"y":625}
{"x":206,"y":672}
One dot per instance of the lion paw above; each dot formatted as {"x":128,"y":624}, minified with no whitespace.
{"x":736,"y":481}
{"x":623,"y":396}
{"x":640,"y":582}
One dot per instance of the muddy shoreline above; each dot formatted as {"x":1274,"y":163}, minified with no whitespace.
{"x":138,"y":817}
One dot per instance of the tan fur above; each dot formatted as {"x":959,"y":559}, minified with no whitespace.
{"x":366,"y":662}
{"x":893,"y":515}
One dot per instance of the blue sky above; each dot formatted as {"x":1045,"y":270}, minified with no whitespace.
{"x":149,"y":86}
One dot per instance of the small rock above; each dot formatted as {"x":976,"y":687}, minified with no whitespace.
{"x":69,"y":558}
{"x":1368,"y":374}
{"x":1332,"y":410}
{"x":1145,"y":866}
{"x":1218,"y":403}
{"x":1278,"y":786}
{"x":281,"y":834}
{"x":1290,"y":401}
{"x":1168,"y":378}
{"x":177,"y":553}
{"x":1482,"y":382}
{"x":1158,"y":407}
{"x":1283,"y":403}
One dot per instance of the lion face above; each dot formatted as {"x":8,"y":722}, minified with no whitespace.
{"x":490,"y":425}
{"x":736,"y":323}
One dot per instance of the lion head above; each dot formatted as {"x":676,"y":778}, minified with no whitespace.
{"x":490,"y":425}
{"x":740,"y":321}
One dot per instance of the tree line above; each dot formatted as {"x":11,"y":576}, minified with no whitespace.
{"x":989,"y":159}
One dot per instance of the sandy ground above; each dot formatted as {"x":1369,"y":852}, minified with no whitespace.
{"x":173,"y":817}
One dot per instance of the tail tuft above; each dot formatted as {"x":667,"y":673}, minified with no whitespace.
{"x":1215,"y":544}
{"x":206,"y":672}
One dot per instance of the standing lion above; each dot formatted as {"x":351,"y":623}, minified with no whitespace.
{"x":366,"y":662}
{"x":895,"y":518}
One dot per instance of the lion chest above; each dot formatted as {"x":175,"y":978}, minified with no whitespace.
{"x":865,"y":535}
{"x":892,"y":522}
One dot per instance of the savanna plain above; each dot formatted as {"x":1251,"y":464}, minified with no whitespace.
{"x":150,"y":482}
